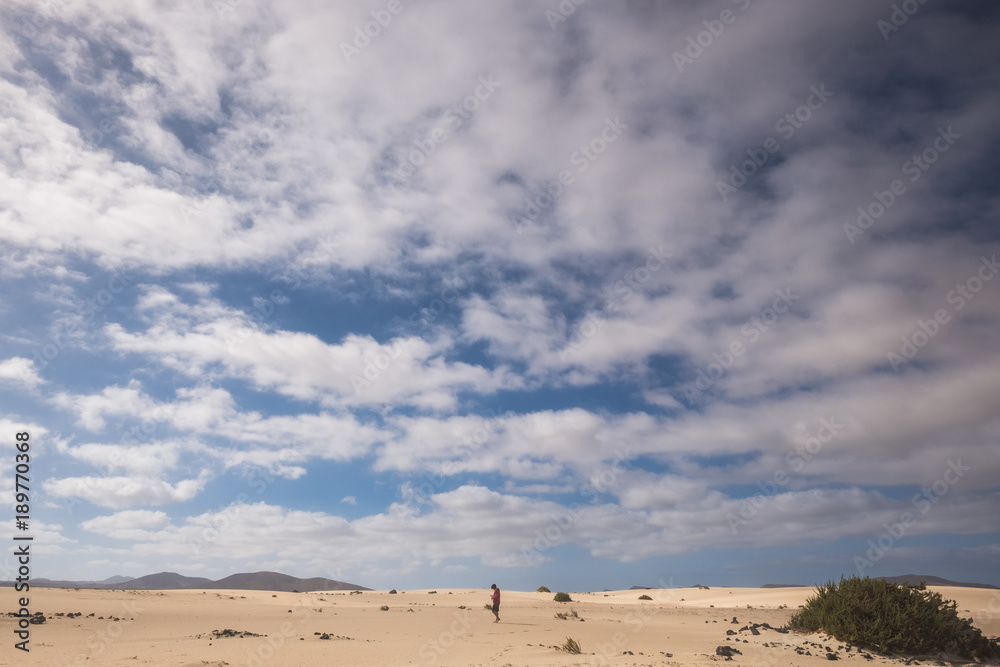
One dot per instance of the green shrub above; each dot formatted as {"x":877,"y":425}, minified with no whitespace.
{"x":543,"y":589}
{"x":892,"y":618}
{"x":571,"y":645}
{"x":562,"y":597}
{"x":645,"y":597}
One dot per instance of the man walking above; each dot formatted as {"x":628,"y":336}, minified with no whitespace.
{"x":496,"y":602}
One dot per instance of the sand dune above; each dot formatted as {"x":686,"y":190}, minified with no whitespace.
{"x":449,"y":627}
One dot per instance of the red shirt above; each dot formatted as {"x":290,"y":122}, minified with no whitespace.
{"x":496,"y":596}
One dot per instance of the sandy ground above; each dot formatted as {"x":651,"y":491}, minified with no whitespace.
{"x":449,"y":627}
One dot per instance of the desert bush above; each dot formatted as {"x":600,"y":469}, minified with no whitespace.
{"x":891,"y":618}
{"x":543,"y":589}
{"x":562,"y":597}
{"x":384,"y":607}
{"x":571,"y":645}
{"x":645,"y":597}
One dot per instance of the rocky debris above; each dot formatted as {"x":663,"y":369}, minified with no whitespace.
{"x":727,"y":652}
{"x":37,"y":619}
{"x":218,"y":634}
{"x":832,"y":656}
{"x":326,"y":635}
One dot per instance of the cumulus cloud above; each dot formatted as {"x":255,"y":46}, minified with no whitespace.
{"x":19,"y":370}
{"x":356,"y":372}
{"x":119,"y":491}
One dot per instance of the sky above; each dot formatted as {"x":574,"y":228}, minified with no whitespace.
{"x":418,"y":294}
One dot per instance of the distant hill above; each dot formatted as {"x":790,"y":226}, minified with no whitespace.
{"x":164,"y":581}
{"x":42,"y":582}
{"x":903,"y":579}
{"x":931,"y":581}
{"x":275,"y":581}
{"x":161,"y":581}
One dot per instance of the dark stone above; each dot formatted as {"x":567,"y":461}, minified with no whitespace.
{"x":727,"y":651}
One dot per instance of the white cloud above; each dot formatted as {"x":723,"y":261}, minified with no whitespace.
{"x":238,"y":439}
{"x":128,"y":524}
{"x":120,"y":492}
{"x":511,"y":531}
{"x":19,"y":370}
{"x":357,"y":371}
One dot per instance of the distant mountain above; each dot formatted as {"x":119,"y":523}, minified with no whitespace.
{"x":903,"y":579}
{"x":275,"y":581}
{"x":42,"y":582}
{"x":165,"y":581}
{"x":161,"y":581}
{"x":931,"y":581}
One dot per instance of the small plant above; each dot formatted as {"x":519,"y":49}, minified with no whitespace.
{"x":571,"y":645}
{"x":543,"y":589}
{"x":562,"y":597}
{"x":384,"y":607}
{"x":567,"y":615}
{"x":891,"y":618}
{"x":645,"y":597}
{"x":392,"y":592}
{"x":488,"y":606}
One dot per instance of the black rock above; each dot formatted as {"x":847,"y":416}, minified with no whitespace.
{"x":727,"y":651}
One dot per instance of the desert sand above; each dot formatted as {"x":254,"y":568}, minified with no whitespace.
{"x":681,"y":626}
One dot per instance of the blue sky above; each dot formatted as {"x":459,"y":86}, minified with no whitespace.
{"x":437,"y":294}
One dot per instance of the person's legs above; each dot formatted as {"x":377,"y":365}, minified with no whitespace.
{"x":496,"y":612}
